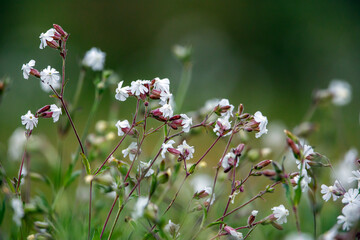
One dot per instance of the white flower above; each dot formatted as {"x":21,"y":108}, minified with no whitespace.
{"x":131,"y":150}
{"x":46,"y":88}
{"x":236,"y":235}
{"x":143,"y":166}
{"x":165,"y":97}
{"x":122,"y":92}
{"x":254,"y":212}
{"x":95,"y":59}
{"x":172,"y":228}
{"x":328,"y":192}
{"x":49,"y":75}
{"x":229,"y":156}
{"x":341,"y":92}
{"x":356,"y":177}
{"x":167,"y":110}
{"x":121,"y":125}
{"x":186,"y":150}
{"x":224,"y":103}
{"x":137,"y":87}
{"x":280,"y":213}
{"x":186,"y":122}
{"x":304,"y":183}
{"x":263,"y":121}
{"x":56,"y":112}
{"x":48,"y":36}
{"x":165,"y":146}
{"x":17,"y":206}
{"x":139,"y":208}
{"x":343,"y":170}
{"x":29,"y":120}
{"x":222,"y":125}
{"x":162,"y":85}
{"x":16,"y":144}
{"x":351,"y":197}
{"x":26,"y":68}
{"x":351,"y":214}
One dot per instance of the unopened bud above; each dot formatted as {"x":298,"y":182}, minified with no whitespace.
{"x":268,"y":173}
{"x":262,"y":164}
{"x":240,"y":109}
{"x":203,"y":193}
{"x":174,"y":151}
{"x":244,"y":116}
{"x":291,"y":136}
{"x":35,"y":73}
{"x":175,"y":117}
{"x":53,"y":44}
{"x":293,"y":147}
{"x":43,"y":109}
{"x":239,"y":149}
{"x":45,"y":115}
{"x":60,"y":30}
{"x":163,"y":177}
{"x":251,"y":218}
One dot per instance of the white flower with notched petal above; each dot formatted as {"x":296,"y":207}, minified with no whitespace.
{"x":122,"y":92}
{"x":167,"y":110}
{"x":263,"y":121}
{"x":340,"y":91}
{"x":48,"y":36}
{"x":229,"y":157}
{"x":29,"y":120}
{"x":165,"y":97}
{"x":225,"y":103}
{"x":137,"y":87}
{"x":26,"y":68}
{"x":46,"y":88}
{"x":351,"y":214}
{"x":186,"y":122}
{"x":122,"y":125}
{"x":162,"y":85}
{"x":165,"y":146}
{"x":351,"y":197}
{"x":186,"y":150}
{"x":305,"y":181}
{"x":56,"y":112}
{"x":49,"y":75}
{"x":131,"y":151}
{"x":222,"y":125}
{"x":280,"y":213}
{"x":139,"y":208}
{"x":17,"y":206}
{"x":95,"y":59}
{"x":145,"y":165}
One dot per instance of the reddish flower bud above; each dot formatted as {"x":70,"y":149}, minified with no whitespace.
{"x":239,"y":149}
{"x":269,"y":173}
{"x":60,"y":30}
{"x":244,"y":116}
{"x":156,"y":112}
{"x":293,"y":147}
{"x":53,"y":44}
{"x":35,"y":73}
{"x":240,"y":109}
{"x":43,"y":109}
{"x":45,"y":115}
{"x":262,"y":164}
{"x":176,"y":117}
{"x":174,"y":151}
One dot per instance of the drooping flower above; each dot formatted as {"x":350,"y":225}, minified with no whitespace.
{"x":26,"y":68}
{"x":263,"y":121}
{"x":95,"y":59}
{"x":172,"y":229}
{"x":186,"y":122}
{"x":167,"y":110}
{"x":340,"y":91}
{"x":165,"y":146}
{"x":49,"y":75}
{"x":17,"y":206}
{"x":186,"y":150}
{"x":145,"y":165}
{"x":280,"y":213}
{"x":165,"y":97}
{"x":305,"y":181}
{"x":222,"y":125}
{"x":48,"y":36}
{"x":56,"y":112}
{"x":227,"y":108}
{"x":131,"y":150}
{"x":139,"y":208}
{"x":229,"y":160}
{"x":122,"y":126}
{"x":351,"y":197}
{"x":137,"y":87}
{"x":328,"y":192}
{"x":29,"y":120}
{"x":356,"y":177}
{"x":351,"y":214}
{"x":122,"y":92}
{"x":162,"y":85}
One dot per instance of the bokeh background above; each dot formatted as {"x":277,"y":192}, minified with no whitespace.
{"x":270,"y":56}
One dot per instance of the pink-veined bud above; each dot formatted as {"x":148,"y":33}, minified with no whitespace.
{"x":202,"y":194}
{"x":43,"y":109}
{"x":239,"y":149}
{"x":35,"y":73}
{"x":252,"y":216}
{"x":155,"y":94}
{"x":269,"y":173}
{"x":244,"y":116}
{"x":262,"y":164}
{"x":175,"y":117}
{"x":240,"y":109}
{"x":176,"y":124}
{"x":53,"y":44}
{"x":156,"y":112}
{"x":45,"y":115}
{"x":174,"y":151}
{"x":60,"y":30}
{"x":293,"y":147}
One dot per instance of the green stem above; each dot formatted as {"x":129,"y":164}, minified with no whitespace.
{"x":184,"y":85}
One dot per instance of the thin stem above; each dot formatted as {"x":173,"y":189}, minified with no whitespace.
{"x":20,"y":170}
{"x":108,"y":216}
{"x":297,"y":219}
{"x":90,"y":201}
{"x":63,"y":54}
{"x":177,"y":193}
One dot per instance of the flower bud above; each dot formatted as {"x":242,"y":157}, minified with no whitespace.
{"x":53,"y":44}
{"x":268,"y":173}
{"x":60,"y":30}
{"x":203,"y":193}
{"x":239,"y":149}
{"x":163,"y":177}
{"x":251,"y":218}
{"x":35,"y":73}
{"x":240,"y":109}
{"x":293,"y":147}
{"x":43,"y":109}
{"x":174,"y":151}
{"x":244,"y":116}
{"x":45,"y":115}
{"x":175,"y":117}
{"x":262,"y":164}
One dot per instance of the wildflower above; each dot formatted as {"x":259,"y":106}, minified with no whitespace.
{"x":29,"y":120}
{"x":202,"y":193}
{"x":46,"y":88}
{"x":56,"y":112}
{"x":186,"y":150}
{"x":226,"y":109}
{"x":328,"y":192}
{"x":263,"y":121}
{"x":17,"y":206}
{"x":137,"y":87}
{"x":340,"y":91}
{"x":307,"y":151}
{"x":351,"y":214}
{"x":165,"y":147}
{"x":351,"y":197}
{"x":46,"y":37}
{"x":305,"y":181}
{"x":355,"y":178}
{"x":95,"y":59}
{"x":123,"y":126}
{"x":49,"y":75}
{"x":172,"y":229}
{"x":186,"y":122}
{"x":166,"y":110}
{"x":233,"y":233}
{"x":122,"y":92}
{"x":229,"y":160}
{"x":131,"y":151}
{"x":26,"y":68}
{"x":346,"y":166}
{"x":222,"y":126}
{"x":139,"y":208}
{"x":143,"y":166}
{"x":162,"y":85}
{"x":331,"y":234}
{"x":280,"y":213}
{"x":165,"y":97}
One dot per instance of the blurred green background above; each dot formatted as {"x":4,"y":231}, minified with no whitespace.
{"x":270,"y":56}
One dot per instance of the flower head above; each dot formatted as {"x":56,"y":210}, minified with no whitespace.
{"x":46,"y":88}
{"x":162,"y":85}
{"x":122,"y":92}
{"x":29,"y":120}
{"x":46,"y":37}
{"x":263,"y":121}
{"x":222,"y":126}
{"x":305,"y":181}
{"x":186,"y":150}
{"x":280,"y":213}
{"x":131,"y":150}
{"x":138,"y":87}
{"x":351,"y":213}
{"x":167,"y":110}
{"x":56,"y":112}
{"x":226,"y":109}
{"x":340,"y":91}
{"x":123,"y":126}
{"x":49,"y":75}
{"x":26,"y":68}
{"x":229,"y":160}
{"x":165,"y":97}
{"x":165,"y":146}
{"x":95,"y":59}
{"x":139,"y":208}
{"x":145,"y":165}
{"x":186,"y":122}
{"x":351,"y":197}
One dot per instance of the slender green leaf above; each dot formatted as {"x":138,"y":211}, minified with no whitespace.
{"x":86,"y":163}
